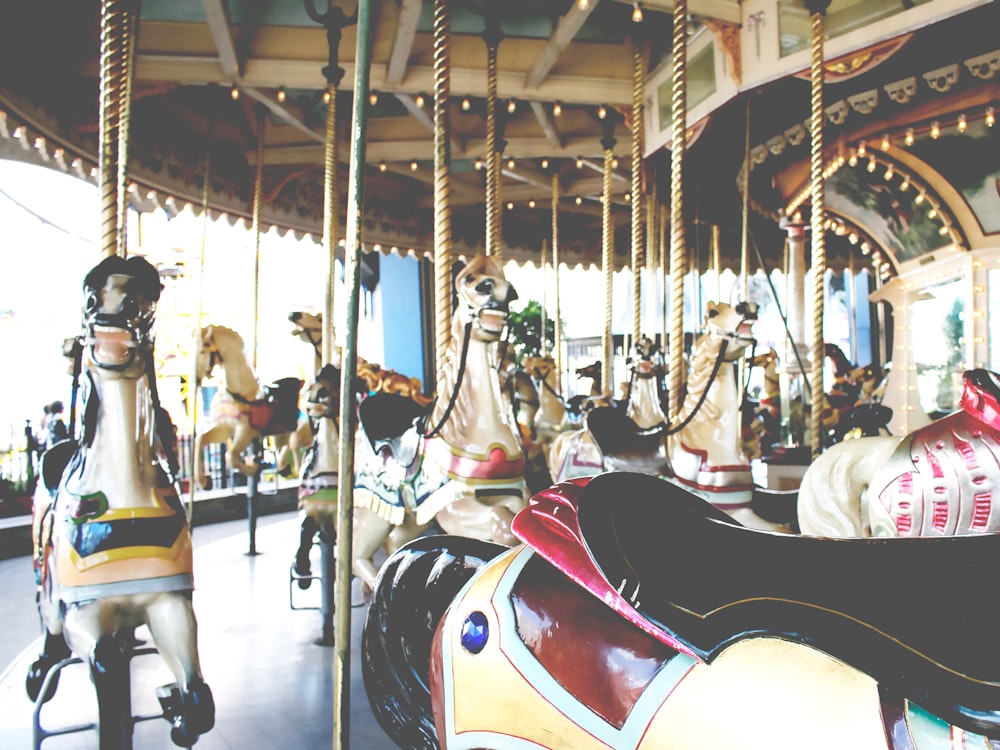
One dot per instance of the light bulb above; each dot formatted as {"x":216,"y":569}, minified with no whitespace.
{"x":419,"y":101}
{"x":636,"y":13}
{"x":556,"y":109}
{"x":466,"y":104}
{"x":909,"y":136}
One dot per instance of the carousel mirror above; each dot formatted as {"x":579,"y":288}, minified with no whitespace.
{"x":938,"y":342}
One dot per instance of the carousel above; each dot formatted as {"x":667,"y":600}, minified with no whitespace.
{"x":764,"y":539}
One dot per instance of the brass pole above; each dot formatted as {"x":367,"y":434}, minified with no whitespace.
{"x":193,"y":385}
{"x":545,"y":343}
{"x":817,"y":9}
{"x":130,"y":18}
{"x":331,"y":205}
{"x":494,"y":215}
{"x":112,"y":83}
{"x":608,"y":263}
{"x":745,"y":233}
{"x":442,"y":181}
{"x":677,"y":229}
{"x":258,"y":191}
{"x":637,"y":148}
{"x":664,"y":266}
{"x":345,"y":494}
{"x":717,"y":261}
{"x":555,"y":266}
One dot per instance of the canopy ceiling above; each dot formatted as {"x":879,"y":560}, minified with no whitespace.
{"x":191,"y":55}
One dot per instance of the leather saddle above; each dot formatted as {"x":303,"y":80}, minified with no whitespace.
{"x":913,"y":613}
{"x":624,"y":445}
{"x":386,"y":416}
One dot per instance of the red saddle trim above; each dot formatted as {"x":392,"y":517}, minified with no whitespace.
{"x":551,"y":527}
{"x":495,"y":466}
{"x":980,"y":404}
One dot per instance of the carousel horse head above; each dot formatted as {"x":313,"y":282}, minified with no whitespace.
{"x":307,"y":326}
{"x":484,"y":298}
{"x":323,"y":396}
{"x":539,"y":367}
{"x":732,"y":324}
{"x":646,"y":361}
{"x":215,"y":344}
{"x":118,"y":314}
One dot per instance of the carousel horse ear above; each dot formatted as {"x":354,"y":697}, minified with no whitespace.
{"x":145,"y":277}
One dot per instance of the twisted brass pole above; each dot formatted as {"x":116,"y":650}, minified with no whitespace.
{"x":258,"y":191}
{"x":112,"y":85}
{"x":555,"y":266}
{"x":608,"y":264}
{"x":442,"y":165}
{"x":493,"y":210}
{"x":717,"y":261}
{"x":331,"y":205}
{"x":664,"y":268}
{"x":637,"y":143}
{"x":817,"y":8}
{"x":130,"y":19}
{"x":678,"y":103}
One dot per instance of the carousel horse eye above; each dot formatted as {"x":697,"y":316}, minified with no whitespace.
{"x":475,"y":632}
{"x":485,"y":286}
{"x":92,"y":301}
{"x":713,"y":313}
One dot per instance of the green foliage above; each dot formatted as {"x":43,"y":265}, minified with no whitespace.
{"x":526,"y":331}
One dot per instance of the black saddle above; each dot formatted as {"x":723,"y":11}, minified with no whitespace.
{"x":624,"y":445}
{"x":388,"y":415}
{"x":917,"y":614}
{"x":283,"y":396}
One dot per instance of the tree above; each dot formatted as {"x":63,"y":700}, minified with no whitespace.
{"x":525,"y":329}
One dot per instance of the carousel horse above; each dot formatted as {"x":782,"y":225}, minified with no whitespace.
{"x":551,"y":417}
{"x":636,"y":616}
{"x":516,"y":383}
{"x":939,"y":480}
{"x":612,"y":437}
{"x":762,"y":415}
{"x":112,"y":545}
{"x":591,"y":372}
{"x":244,"y":410}
{"x":461,"y":463}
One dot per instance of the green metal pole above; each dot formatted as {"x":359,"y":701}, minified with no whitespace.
{"x":345,"y":497}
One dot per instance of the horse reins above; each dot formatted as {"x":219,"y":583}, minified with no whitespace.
{"x":458,"y":384}
{"x":704,"y":394}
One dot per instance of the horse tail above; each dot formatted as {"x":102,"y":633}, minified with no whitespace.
{"x":414,"y":588}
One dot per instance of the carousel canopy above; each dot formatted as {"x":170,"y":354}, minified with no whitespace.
{"x":909,"y":93}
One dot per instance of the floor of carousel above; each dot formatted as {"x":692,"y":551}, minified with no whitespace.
{"x":273,"y":686}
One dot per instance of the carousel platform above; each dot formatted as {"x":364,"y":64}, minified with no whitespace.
{"x":273,"y":686}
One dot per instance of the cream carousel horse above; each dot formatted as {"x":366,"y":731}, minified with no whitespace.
{"x":940,"y":480}
{"x":244,"y":410}
{"x":637,"y":616}
{"x":551,"y":418}
{"x":112,"y":542}
{"x":460,"y":464}
{"x":631,"y":437}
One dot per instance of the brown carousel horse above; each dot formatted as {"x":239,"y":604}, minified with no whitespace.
{"x":761,"y":425}
{"x":112,"y":542}
{"x":461,"y":463}
{"x":244,"y":410}
{"x":940,"y":480}
{"x":637,"y":616}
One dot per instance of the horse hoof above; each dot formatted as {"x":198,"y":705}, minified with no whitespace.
{"x":325,"y":641}
{"x":191,"y":713}
{"x":36,"y":678}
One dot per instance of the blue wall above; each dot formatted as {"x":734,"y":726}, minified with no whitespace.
{"x":399,"y":282}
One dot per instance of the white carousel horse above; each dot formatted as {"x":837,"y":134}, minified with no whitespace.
{"x":941,"y":480}
{"x":637,"y":616}
{"x":112,"y":542}
{"x":460,"y":464}
{"x":577,"y":453}
{"x":244,"y":410}
{"x":762,"y":415}
{"x":551,"y":418}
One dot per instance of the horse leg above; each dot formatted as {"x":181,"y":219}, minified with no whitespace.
{"x":307,"y":534}
{"x":217,"y":434}
{"x":241,"y":439}
{"x":467,"y":516}
{"x":188,"y":705}
{"x":370,"y":532}
{"x":54,"y":650}
{"x":405,"y":532}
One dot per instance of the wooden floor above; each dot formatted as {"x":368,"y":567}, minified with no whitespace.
{"x":273,"y":687}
